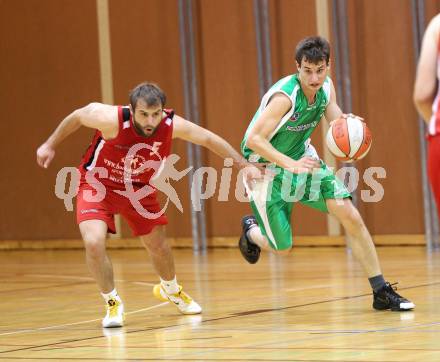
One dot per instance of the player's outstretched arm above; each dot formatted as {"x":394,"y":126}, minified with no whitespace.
{"x":95,"y":115}
{"x":426,"y":79}
{"x":193,"y":133}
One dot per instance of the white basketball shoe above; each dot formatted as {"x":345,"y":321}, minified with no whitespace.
{"x":181,"y":300}
{"x":115,"y":314}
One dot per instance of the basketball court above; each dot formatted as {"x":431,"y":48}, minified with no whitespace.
{"x":314,"y":305}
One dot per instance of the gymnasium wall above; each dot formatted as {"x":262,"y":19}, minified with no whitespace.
{"x":50,"y":66}
{"x":383,"y":67}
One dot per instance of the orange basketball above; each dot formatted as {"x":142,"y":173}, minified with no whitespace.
{"x":349,"y":139}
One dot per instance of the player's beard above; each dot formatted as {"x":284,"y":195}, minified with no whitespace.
{"x":141,"y":131}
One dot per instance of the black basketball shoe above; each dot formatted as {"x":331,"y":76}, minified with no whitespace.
{"x":387,"y":298}
{"x":249,"y":250}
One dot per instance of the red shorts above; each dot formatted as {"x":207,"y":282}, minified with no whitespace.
{"x":434,"y":167}
{"x":114,"y":203}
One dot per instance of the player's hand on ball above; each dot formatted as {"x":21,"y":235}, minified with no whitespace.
{"x":351,"y":115}
{"x":45,"y":155}
{"x":346,"y":116}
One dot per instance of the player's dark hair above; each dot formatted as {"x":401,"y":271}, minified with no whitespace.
{"x":313,"y":49}
{"x":150,"y":93}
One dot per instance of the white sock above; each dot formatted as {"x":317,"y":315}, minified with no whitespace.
{"x":170,"y":286}
{"x":248,"y":234}
{"x":112,"y":295}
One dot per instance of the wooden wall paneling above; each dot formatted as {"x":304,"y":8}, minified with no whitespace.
{"x":432,"y":8}
{"x":382,"y":80}
{"x":229,"y":83}
{"x":49,"y":67}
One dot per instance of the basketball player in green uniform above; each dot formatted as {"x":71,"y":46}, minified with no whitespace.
{"x":279,"y":135}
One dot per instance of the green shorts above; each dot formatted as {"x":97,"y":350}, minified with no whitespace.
{"x":272,"y":200}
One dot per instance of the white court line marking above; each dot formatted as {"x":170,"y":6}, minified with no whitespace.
{"x":139,"y":283}
{"x":84,"y":278}
{"x":82,"y":322}
{"x":58,"y":276}
{"x":290,"y":342}
{"x":311,"y":287}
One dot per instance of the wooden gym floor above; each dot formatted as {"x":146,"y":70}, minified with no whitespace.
{"x":314,"y":305}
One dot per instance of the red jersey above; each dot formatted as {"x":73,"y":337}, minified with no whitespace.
{"x":128,"y":156}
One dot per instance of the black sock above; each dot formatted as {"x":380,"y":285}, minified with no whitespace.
{"x":377,"y":282}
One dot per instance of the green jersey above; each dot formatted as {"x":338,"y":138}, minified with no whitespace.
{"x":292,"y":134}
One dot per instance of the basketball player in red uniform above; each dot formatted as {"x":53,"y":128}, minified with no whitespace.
{"x":427,"y":99}
{"x":110,"y":163}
